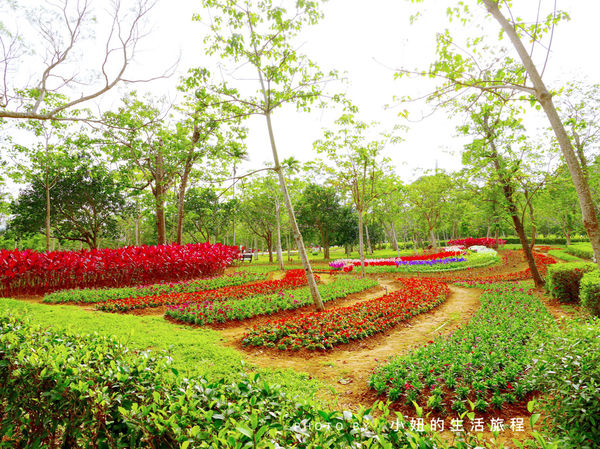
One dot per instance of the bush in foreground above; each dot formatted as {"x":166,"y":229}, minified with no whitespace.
{"x":589,"y":292}
{"x":569,"y":368}
{"x":66,"y":390}
{"x":564,"y":278}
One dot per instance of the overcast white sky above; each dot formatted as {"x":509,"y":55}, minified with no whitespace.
{"x":366,"y":40}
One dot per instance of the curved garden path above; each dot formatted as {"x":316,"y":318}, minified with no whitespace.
{"x":347,"y":368}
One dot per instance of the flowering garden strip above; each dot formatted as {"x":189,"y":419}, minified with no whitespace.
{"x":33,"y":273}
{"x":334,"y":327}
{"x":209,"y":312}
{"x":394,"y":261}
{"x":485,"y":362}
{"x":438,"y":265}
{"x":292,"y":279}
{"x":484,"y":241}
{"x":111,"y":294}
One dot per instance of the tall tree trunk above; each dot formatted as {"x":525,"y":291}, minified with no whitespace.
{"x":433,"y":240}
{"x":361,"y":244}
{"x":395,"y":239}
{"x":369,"y":247}
{"x":269,"y":243}
{"x":533,"y":225}
{"x":312,"y":283}
{"x":181,"y":201}
{"x":255,"y":248}
{"x":161,"y":227}
{"x":47,"y":219}
{"x":289,"y":247}
{"x":278,"y":242}
{"x":513,"y":211}
{"x":234,"y":208}
{"x":325,"y":242}
{"x":544,"y":97}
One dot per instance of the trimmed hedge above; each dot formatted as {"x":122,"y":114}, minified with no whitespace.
{"x":564,"y":278}
{"x":563,"y":255}
{"x":568,"y":368}
{"x":589,"y":292}
{"x":583,"y":250}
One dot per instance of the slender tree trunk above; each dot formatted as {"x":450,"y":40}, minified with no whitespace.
{"x":255,"y":248}
{"x":512,"y":210}
{"x":278,"y":242}
{"x":433,"y":240}
{"x":533,"y":226}
{"x":361,"y":245}
{"x":312,"y":283}
{"x":289,"y":247}
{"x":181,"y":202}
{"x":544,"y":97}
{"x":395,"y":239}
{"x":47,"y":220}
{"x":369,"y":247}
{"x":325,"y":240}
{"x":161,"y":227}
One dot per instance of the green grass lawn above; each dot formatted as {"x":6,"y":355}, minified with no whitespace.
{"x":195,"y":352}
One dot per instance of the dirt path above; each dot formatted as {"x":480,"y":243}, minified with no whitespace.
{"x":348,"y":367}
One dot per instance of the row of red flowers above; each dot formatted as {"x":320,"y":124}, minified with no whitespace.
{"x":483,"y":241}
{"x":292,"y":279}
{"x":32,"y":272}
{"x":324,"y":330}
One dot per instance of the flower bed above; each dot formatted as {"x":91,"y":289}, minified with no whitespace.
{"x":484,"y":362}
{"x":33,"y":273}
{"x":327,"y":329}
{"x":484,"y":241}
{"x":437,"y":265}
{"x":394,"y":261}
{"x":209,"y":312}
{"x":292,"y":279}
{"x":110,"y":294}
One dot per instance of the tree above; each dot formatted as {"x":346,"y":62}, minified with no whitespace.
{"x":358,"y":167}
{"x":260,"y":36}
{"x":462,"y":72}
{"x":259,"y":210}
{"x":320,"y":208}
{"x":61,"y":28}
{"x":46,"y":161}
{"x":208,"y":215}
{"x":139,"y":135}
{"x":87,"y":201}
{"x":214,"y":129}
{"x":498,"y":131}
{"x":429,"y":194}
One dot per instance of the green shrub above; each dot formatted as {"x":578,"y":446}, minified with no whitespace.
{"x":563,"y":280}
{"x":583,"y":250}
{"x":66,"y":390}
{"x":589,"y":292}
{"x":569,"y":370}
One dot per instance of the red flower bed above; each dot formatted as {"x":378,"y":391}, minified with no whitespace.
{"x":31,"y":272}
{"x":327,"y":329}
{"x":392,"y":262}
{"x":484,"y":241}
{"x":292,"y":279}
{"x":441,"y":255}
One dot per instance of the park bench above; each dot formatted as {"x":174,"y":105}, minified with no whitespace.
{"x":246,"y":256}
